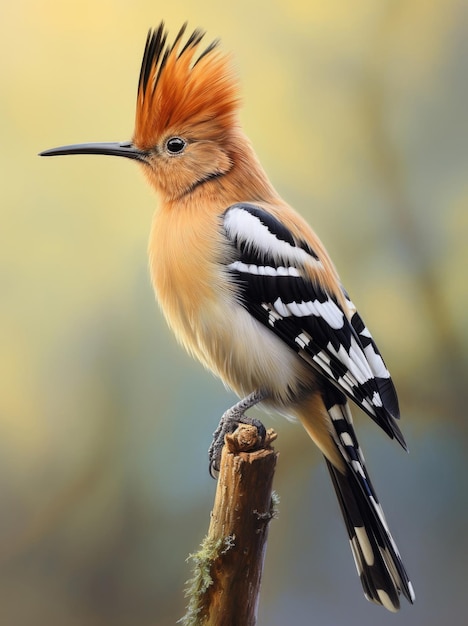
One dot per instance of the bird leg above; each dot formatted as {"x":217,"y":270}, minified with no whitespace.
{"x":228,"y":424}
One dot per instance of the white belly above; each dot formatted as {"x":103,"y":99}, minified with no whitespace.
{"x":248,"y":356}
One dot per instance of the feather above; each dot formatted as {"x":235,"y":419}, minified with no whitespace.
{"x":293,"y":306}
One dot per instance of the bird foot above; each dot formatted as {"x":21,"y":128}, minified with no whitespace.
{"x":228,"y":424}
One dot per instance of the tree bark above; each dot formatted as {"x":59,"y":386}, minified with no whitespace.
{"x":225,"y":587}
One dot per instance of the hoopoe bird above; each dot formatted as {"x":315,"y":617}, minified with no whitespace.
{"x":249,"y":289}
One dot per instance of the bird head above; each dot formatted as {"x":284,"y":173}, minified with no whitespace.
{"x":186,"y":114}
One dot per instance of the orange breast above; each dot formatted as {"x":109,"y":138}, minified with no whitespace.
{"x":188,"y":254}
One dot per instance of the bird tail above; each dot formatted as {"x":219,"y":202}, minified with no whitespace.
{"x":378,"y":562}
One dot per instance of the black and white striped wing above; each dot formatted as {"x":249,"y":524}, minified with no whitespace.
{"x":268,"y":268}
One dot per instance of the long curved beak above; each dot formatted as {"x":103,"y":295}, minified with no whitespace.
{"x":124,"y":149}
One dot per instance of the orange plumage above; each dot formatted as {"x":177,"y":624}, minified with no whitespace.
{"x":249,"y":289}
{"x":185,"y":88}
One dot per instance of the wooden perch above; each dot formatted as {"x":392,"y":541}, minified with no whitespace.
{"x":228,"y":568}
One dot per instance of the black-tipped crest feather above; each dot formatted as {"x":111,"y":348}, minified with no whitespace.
{"x":193,"y":40}
{"x":155,"y":42}
{"x":207,"y":50}
{"x":157,"y":52}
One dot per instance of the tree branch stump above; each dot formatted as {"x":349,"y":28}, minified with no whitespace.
{"x":225,"y":587}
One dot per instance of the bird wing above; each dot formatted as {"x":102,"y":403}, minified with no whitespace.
{"x":271,"y":270}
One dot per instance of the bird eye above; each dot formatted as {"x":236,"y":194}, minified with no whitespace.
{"x":175,"y":145}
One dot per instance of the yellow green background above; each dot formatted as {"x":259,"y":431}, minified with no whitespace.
{"x":358,"y":111}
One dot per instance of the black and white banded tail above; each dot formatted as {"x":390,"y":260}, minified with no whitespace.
{"x":378,"y":562}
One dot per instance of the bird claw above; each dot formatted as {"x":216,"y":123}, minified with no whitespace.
{"x":227,"y":425}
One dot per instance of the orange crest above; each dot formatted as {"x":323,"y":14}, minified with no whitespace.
{"x":183,"y":90}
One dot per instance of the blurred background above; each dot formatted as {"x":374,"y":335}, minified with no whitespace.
{"x":358,"y":112}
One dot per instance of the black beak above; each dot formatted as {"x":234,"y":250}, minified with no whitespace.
{"x":124,"y":149}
